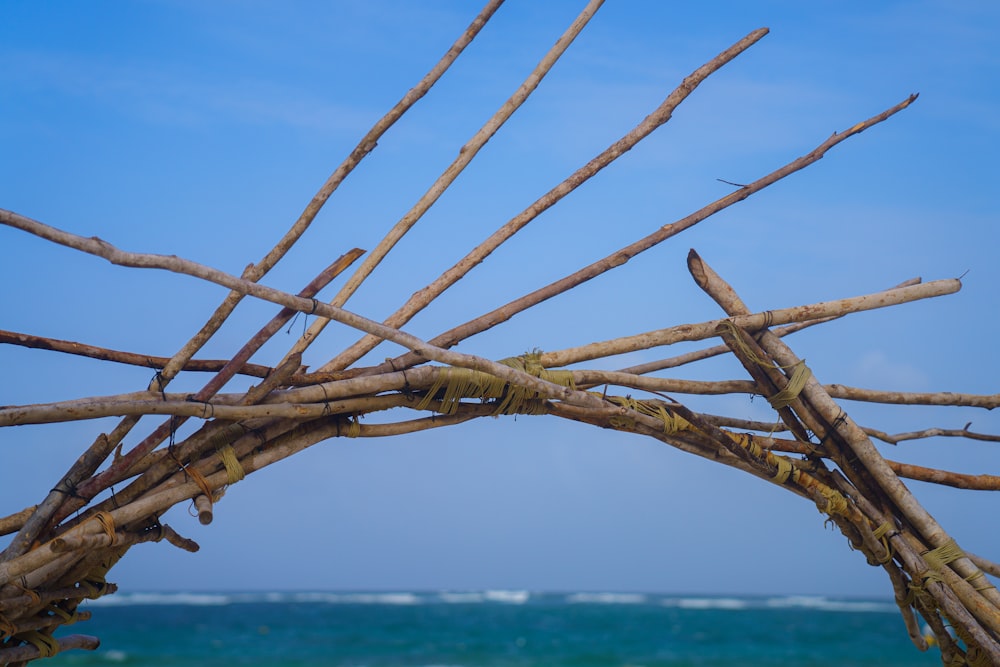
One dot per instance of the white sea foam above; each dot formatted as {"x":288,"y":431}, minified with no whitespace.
{"x":189,"y":599}
{"x":508,"y":597}
{"x":805,"y":601}
{"x":461,"y":597}
{"x":707,"y":603}
{"x":315,"y":596}
{"x":216,"y":599}
{"x":606,"y":598}
{"x":821,"y":603}
{"x":496,"y":596}
{"x":372,"y":598}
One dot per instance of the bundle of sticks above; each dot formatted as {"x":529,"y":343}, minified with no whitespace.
{"x":64,"y":547}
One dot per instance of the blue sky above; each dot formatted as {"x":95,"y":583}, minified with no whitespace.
{"x":202,"y":129}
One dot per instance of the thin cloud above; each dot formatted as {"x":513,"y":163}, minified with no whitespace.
{"x":167,"y":97}
{"x":877,"y":370}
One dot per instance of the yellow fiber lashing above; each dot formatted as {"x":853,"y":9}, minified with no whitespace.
{"x":794,"y":387}
{"x":743,"y":347}
{"x":672,"y":423}
{"x":107,"y":523}
{"x":234,"y":471}
{"x":882,"y":533}
{"x":460,"y":383}
{"x":47,"y":646}
{"x":354,"y":426}
{"x":783,"y":470}
{"x":747,"y":441}
{"x":622,"y":423}
{"x":521,"y":400}
{"x":936,"y":559}
{"x":836,"y":503}
{"x":800,"y":372}
{"x":67,"y":617}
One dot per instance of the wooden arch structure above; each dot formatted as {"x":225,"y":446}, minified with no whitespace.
{"x":64,"y":548}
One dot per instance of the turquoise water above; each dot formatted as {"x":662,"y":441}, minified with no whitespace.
{"x":494,"y":628}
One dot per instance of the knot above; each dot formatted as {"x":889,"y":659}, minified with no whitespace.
{"x":784,"y":398}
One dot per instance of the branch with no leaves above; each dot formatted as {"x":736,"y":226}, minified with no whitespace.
{"x":465,"y":156}
{"x":657,"y":118}
{"x":101,"y":448}
{"x":620,"y":257}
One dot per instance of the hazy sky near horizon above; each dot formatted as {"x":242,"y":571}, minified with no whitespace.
{"x":203,"y":129}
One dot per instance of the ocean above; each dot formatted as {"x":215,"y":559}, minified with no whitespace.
{"x":491,"y":628}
